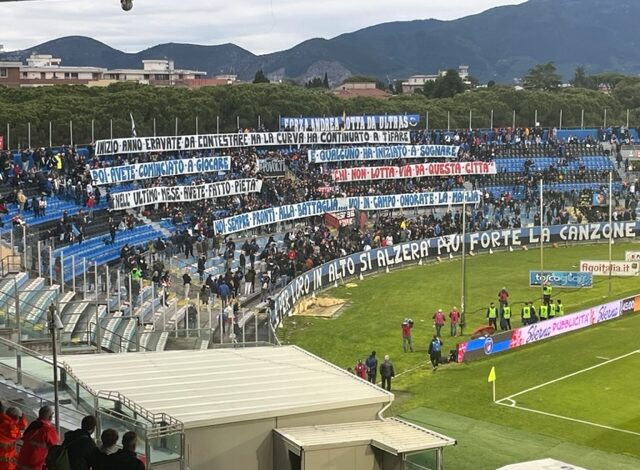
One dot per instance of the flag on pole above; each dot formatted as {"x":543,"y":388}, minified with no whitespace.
{"x":492,"y":375}
{"x":133,"y":126}
{"x":344,"y":120}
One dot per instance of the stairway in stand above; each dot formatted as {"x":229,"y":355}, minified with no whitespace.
{"x":148,"y":221}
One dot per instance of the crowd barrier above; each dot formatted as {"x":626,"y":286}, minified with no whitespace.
{"x":418,"y":251}
{"x":480,"y":348}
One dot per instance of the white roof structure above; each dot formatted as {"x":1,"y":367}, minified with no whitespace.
{"x":391,"y":435}
{"x":544,"y":464}
{"x":216,"y":386}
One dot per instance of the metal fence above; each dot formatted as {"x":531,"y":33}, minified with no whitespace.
{"x":55,"y":133}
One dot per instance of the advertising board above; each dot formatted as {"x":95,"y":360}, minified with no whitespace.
{"x":632,"y":255}
{"x":568,"y":279}
{"x":618,"y":268}
{"x":631,"y":305}
{"x":504,"y":341}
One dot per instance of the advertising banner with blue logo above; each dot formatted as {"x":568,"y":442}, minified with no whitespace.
{"x":507,"y":340}
{"x":355,"y":123}
{"x":569,"y":279}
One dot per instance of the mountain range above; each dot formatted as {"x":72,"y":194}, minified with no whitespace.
{"x":499,"y":44}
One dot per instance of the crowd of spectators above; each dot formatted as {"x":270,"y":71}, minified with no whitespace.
{"x":66,"y":174}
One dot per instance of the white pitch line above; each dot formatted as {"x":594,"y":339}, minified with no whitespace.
{"x":589,"y":423}
{"x":603,"y":358}
{"x":413,"y":368}
{"x":572,"y":374}
{"x":407,"y":371}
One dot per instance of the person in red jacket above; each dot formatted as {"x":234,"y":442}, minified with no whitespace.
{"x":36,"y":441}
{"x":503,"y":298}
{"x":438,"y":321}
{"x":454,"y":319}
{"x":407,"y":324}
{"x":361,"y":370}
{"x":12,"y":423}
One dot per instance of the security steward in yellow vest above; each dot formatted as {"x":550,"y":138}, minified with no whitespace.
{"x":559,"y":308}
{"x":526,"y":314}
{"x":57,"y":159}
{"x":546,"y":293}
{"x":544,"y":312}
{"x":506,"y":316}
{"x":553,"y":310}
{"x":492,"y":315}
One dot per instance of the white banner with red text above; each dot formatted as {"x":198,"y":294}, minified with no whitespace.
{"x":419,"y":170}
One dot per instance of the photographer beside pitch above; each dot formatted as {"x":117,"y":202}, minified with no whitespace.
{"x":407,"y":325}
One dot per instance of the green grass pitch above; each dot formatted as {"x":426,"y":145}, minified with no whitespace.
{"x":456,"y":400}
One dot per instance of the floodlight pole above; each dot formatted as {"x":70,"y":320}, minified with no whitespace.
{"x":54,"y":346}
{"x":464,"y":246}
{"x":541,"y":229}
{"x":16,"y":292}
{"x":610,"y":224}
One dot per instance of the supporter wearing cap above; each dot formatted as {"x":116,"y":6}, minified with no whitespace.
{"x":407,"y":324}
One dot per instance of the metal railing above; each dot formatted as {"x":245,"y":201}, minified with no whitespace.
{"x":163,"y":424}
{"x":11,"y":264}
{"x":41,"y":402}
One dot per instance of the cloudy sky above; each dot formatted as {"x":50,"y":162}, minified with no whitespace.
{"x":260,"y":26}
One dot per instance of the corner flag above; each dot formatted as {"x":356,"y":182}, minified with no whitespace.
{"x":492,"y":375}
{"x":133,"y":126}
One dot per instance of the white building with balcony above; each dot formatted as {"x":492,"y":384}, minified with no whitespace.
{"x":416,"y":82}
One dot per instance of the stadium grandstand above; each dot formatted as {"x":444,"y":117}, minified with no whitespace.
{"x":177,"y":268}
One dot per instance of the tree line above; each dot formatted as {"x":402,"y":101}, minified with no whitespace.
{"x":207,"y":110}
